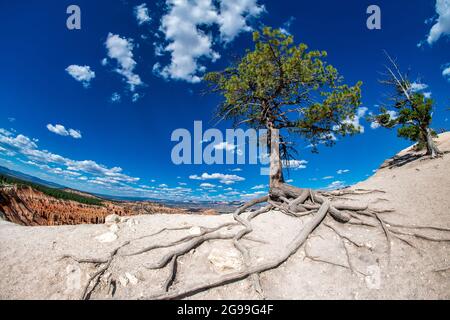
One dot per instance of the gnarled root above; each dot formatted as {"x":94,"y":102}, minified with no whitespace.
{"x":287,"y":199}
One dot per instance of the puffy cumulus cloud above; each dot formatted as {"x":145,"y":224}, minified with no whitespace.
{"x":222,"y":178}
{"x":121,"y":50}
{"x":83,"y":74}
{"x":295,"y":164}
{"x":141,"y":14}
{"x":234,"y":15}
{"x":207,"y":185}
{"x":187,"y":43}
{"x":57,"y":164}
{"x":442,"y":23}
{"x":62,"y":131}
{"x":76,"y":134}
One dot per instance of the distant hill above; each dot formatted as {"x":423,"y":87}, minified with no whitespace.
{"x":29,"y":178}
{"x":221,"y":207}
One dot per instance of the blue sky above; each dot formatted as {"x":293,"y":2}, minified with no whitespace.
{"x":95,"y":108}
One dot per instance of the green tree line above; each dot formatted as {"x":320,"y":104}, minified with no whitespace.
{"x":51,"y":192}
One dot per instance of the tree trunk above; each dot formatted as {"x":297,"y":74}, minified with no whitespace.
{"x":432,"y":149}
{"x":276,"y":166}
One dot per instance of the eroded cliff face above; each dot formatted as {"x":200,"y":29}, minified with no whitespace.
{"x":27,"y":206}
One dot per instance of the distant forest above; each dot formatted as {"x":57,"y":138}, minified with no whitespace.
{"x":51,"y":192}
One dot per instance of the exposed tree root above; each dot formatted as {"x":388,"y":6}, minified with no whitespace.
{"x":173,"y":271}
{"x":291,"y":249}
{"x":287,"y":199}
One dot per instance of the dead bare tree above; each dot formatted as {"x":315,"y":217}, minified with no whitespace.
{"x":412,"y":110}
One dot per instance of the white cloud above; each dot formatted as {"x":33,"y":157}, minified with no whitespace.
{"x":285,"y":29}
{"x":446,"y":72}
{"x":427,"y":95}
{"x":295,"y":164}
{"x":141,"y":13}
{"x":324,"y":138}
{"x":253,"y":195}
{"x":121,"y":49}
{"x":442,"y":23}
{"x":62,"y":131}
{"x":9,"y":153}
{"x":418,"y":86}
{"x":135,"y":97}
{"x":207,"y":185}
{"x":223,"y":178}
{"x":260,"y":186}
{"x":392,"y":114}
{"x":328,"y":178}
{"x":115,"y":97}
{"x":83,"y":74}
{"x":342,"y":171}
{"x":234,"y":15}
{"x":225,"y":146}
{"x":76,"y":134}
{"x":58,"y":129}
{"x":336,"y":185}
{"x":360,"y":113}
{"x":375,"y":125}
{"x":55,"y":163}
{"x":188,"y":43}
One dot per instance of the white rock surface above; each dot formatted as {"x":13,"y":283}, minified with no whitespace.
{"x":133,"y":280}
{"x":373,"y":278}
{"x":195,"y":231}
{"x":112,"y":218}
{"x":124,"y":219}
{"x":73,"y":279}
{"x":131,"y":222}
{"x":114,"y":228}
{"x":107,"y":237}
{"x":225,"y":260}
{"x":123,"y":281}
